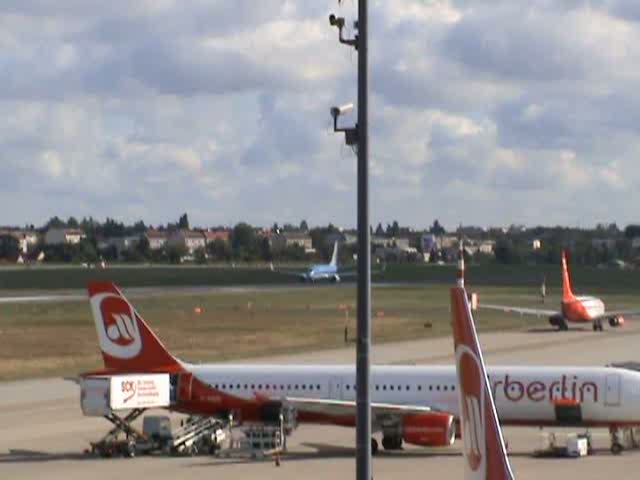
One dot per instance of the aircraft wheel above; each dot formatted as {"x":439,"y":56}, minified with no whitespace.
{"x":374,"y":446}
{"x":563,"y":325}
{"x":616,"y":448}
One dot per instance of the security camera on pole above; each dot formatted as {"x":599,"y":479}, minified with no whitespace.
{"x":358,"y":137}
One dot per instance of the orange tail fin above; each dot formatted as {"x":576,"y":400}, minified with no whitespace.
{"x":126,"y":341}
{"x":484,"y":448}
{"x":567,"y":294}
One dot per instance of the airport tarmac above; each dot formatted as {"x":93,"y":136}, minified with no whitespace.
{"x":43,"y":432}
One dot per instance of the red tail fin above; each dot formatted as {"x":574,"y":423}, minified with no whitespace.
{"x":127,"y":343}
{"x":484,"y":448}
{"x":567,"y":294}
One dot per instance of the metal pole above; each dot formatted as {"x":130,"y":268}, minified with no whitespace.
{"x":363,"y":400}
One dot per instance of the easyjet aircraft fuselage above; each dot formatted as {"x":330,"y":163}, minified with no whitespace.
{"x":582,"y":309}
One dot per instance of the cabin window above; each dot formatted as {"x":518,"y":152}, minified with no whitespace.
{"x":288,"y":387}
{"x":246,"y":386}
{"x":419,"y":388}
{"x":304,"y":387}
{"x":445,"y":388}
{"x":438,"y":387}
{"x":259,"y":386}
{"x":384,"y":387}
{"x":317,"y":387}
{"x":390,"y":387}
{"x":377,"y":387}
{"x":407,"y":388}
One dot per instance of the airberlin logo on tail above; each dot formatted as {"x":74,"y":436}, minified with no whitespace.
{"x":472,"y":409}
{"x":117,"y":325}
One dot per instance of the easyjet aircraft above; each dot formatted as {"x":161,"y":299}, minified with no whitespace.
{"x":484,"y":447}
{"x":413,"y":404}
{"x":577,"y":309}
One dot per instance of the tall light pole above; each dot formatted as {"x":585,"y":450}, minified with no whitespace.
{"x":358,"y":136}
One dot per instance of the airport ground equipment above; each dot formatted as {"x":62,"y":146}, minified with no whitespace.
{"x":575,"y":445}
{"x":262,"y":440}
{"x":122,"y":399}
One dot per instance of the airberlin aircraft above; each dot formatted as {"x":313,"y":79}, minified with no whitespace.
{"x":484,"y":449}
{"x":575,"y":309}
{"x":413,"y":404}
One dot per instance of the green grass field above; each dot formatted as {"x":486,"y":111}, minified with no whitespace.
{"x":587,"y":279}
{"x":59,"y":339}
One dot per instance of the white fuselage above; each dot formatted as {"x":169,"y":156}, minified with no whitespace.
{"x":523,"y":395}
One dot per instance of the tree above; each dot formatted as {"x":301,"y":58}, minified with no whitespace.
{"x":379,"y":230}
{"x":243,"y":236}
{"x":55,"y":222}
{"x":219,"y":250}
{"x":436,"y":228}
{"x":393,"y":230}
{"x":200,"y":256}
{"x":506,"y":252}
{"x":303,"y":226}
{"x":183,"y":222}
{"x":142,"y":248}
{"x":632,"y":231}
{"x":9,"y":247}
{"x":73,"y":223}
{"x":175,"y":253}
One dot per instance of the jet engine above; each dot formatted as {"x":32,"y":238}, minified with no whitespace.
{"x":429,"y":429}
{"x":559,"y":321}
{"x":616,"y":321}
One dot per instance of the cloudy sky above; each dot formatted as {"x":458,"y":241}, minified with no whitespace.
{"x":486,"y":113}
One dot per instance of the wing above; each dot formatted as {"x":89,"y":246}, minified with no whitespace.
{"x":619,"y":313}
{"x":519,"y":310}
{"x":292,"y":273}
{"x":348,"y":407}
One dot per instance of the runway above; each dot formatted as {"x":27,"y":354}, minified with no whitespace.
{"x":76,"y":295}
{"x":43,"y":433}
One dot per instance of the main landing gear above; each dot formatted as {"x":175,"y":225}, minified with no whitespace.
{"x":597,"y":325}
{"x":616,"y":441}
{"x":374,"y":446}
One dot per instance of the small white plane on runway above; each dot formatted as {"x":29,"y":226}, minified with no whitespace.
{"x":574,"y":309}
{"x":326,"y":271}
{"x":413,"y":404}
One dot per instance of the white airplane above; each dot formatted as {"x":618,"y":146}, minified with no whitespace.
{"x":327,"y":271}
{"x":484,"y":448}
{"x":574,"y":309}
{"x":413,"y":404}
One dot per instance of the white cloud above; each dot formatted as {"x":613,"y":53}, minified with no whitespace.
{"x":514,"y":112}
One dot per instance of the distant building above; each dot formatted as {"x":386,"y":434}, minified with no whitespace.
{"x":342,"y":237}
{"x":212,"y":235}
{"x":447,"y":241}
{"x":157,"y":239}
{"x":602,"y":243}
{"x":121,"y":244}
{"x":536,"y":244}
{"x":66,"y":236}
{"x":635,"y":242}
{"x":280,"y":241}
{"x":428,"y":242}
{"x":190,"y":240}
